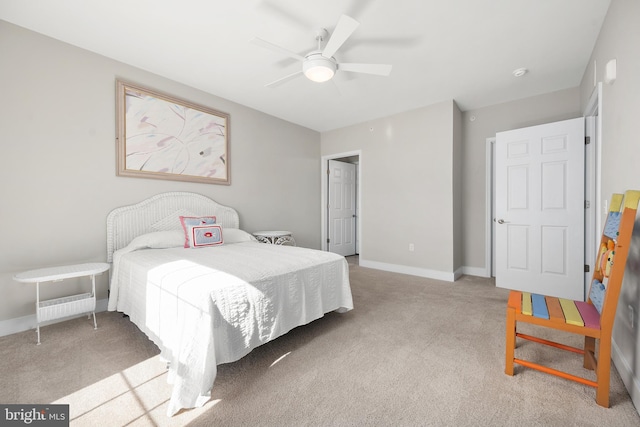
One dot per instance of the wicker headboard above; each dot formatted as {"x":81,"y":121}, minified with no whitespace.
{"x":161,"y":212}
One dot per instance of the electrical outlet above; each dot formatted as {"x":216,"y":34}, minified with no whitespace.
{"x":411,"y":247}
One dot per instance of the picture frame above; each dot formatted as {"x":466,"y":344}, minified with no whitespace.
{"x":163,"y":137}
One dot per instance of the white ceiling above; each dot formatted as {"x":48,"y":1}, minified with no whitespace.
{"x":464,"y":50}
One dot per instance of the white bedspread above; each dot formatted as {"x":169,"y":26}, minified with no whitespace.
{"x":203,"y":307}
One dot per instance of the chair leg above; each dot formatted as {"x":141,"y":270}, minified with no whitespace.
{"x":510,"y":342}
{"x":603,"y":372}
{"x":589,"y":346}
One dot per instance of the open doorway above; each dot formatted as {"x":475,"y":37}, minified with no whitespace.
{"x":341,"y":213}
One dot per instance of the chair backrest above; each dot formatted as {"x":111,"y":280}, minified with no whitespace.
{"x":611,"y":257}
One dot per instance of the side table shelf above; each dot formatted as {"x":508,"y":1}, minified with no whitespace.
{"x":66,"y":306}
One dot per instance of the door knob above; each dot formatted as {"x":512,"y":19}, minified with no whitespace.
{"x":502,"y":221}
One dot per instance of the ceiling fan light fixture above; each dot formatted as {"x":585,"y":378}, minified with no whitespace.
{"x":319,"y":69}
{"x":319,"y":73}
{"x":320,"y":65}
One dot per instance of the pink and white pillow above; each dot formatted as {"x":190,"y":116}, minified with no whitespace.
{"x":189,"y":221}
{"x":205,"y":235}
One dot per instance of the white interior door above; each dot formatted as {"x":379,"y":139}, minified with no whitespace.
{"x":342,"y":208}
{"x":539,"y":209}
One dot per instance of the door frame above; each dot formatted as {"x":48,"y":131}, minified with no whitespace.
{"x":593,"y":179}
{"x":324,"y":190}
{"x":594,"y":109}
{"x":593,"y":165}
{"x":490,"y":195}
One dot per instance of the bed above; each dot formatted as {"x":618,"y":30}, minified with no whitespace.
{"x":203,"y":306}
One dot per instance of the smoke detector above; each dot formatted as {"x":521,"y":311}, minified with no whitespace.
{"x":520,"y":72}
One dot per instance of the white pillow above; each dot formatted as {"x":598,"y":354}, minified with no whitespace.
{"x":235,"y":235}
{"x":158,"y":240}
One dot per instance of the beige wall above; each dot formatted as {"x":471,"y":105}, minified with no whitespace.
{"x":406,"y":174}
{"x":483,"y":123}
{"x":619,"y":39}
{"x":57,"y":172}
{"x":415,"y":162}
{"x":440,"y":160}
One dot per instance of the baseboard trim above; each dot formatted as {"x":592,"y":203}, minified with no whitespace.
{"x":413,"y":271}
{"x":475,"y":271}
{"x":26,"y":323}
{"x":631,"y":382}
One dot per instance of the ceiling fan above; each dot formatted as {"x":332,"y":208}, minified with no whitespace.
{"x":320,"y":65}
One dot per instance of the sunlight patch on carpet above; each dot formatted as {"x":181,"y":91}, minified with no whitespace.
{"x":137,"y":394}
{"x":279,"y":359}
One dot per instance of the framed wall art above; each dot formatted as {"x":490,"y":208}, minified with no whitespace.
{"x":163,"y":137}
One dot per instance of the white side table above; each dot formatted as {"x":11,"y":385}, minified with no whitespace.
{"x":66,"y":306}
{"x":275,"y":237}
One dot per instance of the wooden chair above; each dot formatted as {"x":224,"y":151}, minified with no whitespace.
{"x":592,"y":319}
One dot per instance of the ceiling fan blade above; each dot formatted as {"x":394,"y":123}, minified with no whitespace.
{"x":345,"y":27}
{"x":276,"y":48}
{"x":377,"y":69}
{"x":284,"y":79}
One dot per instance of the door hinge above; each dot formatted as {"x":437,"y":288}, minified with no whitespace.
{"x":587,"y":204}
{"x":328,"y":172}
{"x":587,"y":140}
{"x":586,"y":268}
{"x":328,"y":240}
